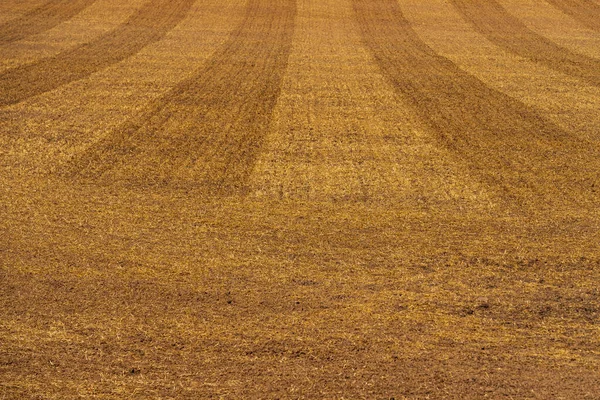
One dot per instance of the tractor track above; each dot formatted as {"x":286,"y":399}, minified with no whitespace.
{"x":148,"y":25}
{"x":586,"y":12}
{"x":41,"y":19}
{"x":504,"y":30}
{"x":208,"y":130}
{"x":530,"y":160}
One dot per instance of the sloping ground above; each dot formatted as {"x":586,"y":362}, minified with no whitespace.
{"x":303,"y":199}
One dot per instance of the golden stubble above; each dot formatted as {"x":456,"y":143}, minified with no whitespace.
{"x":361,"y":254}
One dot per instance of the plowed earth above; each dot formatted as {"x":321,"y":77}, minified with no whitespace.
{"x":300,"y":199}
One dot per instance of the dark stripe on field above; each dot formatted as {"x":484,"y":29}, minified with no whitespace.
{"x":42,"y":18}
{"x":586,"y":12}
{"x":527,"y":158}
{"x":150,"y":24}
{"x":491,"y":20}
{"x":207,"y":131}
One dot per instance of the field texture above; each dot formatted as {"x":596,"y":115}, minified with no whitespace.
{"x":300,"y":199}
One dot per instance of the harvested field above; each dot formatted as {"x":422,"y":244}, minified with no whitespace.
{"x":207,"y":130}
{"x":299,"y":199}
{"x":507,"y":32}
{"x":148,"y":25}
{"x":585,"y":12}
{"x":40,"y":19}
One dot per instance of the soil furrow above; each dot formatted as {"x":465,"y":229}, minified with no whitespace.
{"x":529,"y":159}
{"x":41,"y":19}
{"x":208,"y":131}
{"x":148,"y":25}
{"x":586,"y":12}
{"x":491,"y":20}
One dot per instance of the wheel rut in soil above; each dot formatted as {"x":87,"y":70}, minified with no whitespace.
{"x":504,"y":30}
{"x":529,"y":160}
{"x":41,"y":19}
{"x":148,"y":25}
{"x":207,"y":131}
{"x":586,"y":12}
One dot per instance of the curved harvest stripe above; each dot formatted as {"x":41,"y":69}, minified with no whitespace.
{"x":340,"y":134}
{"x":148,"y":25}
{"x":491,"y":20}
{"x":41,"y":19}
{"x":502,"y":139}
{"x":15,"y":9}
{"x":587,"y":12}
{"x":208,"y":131}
